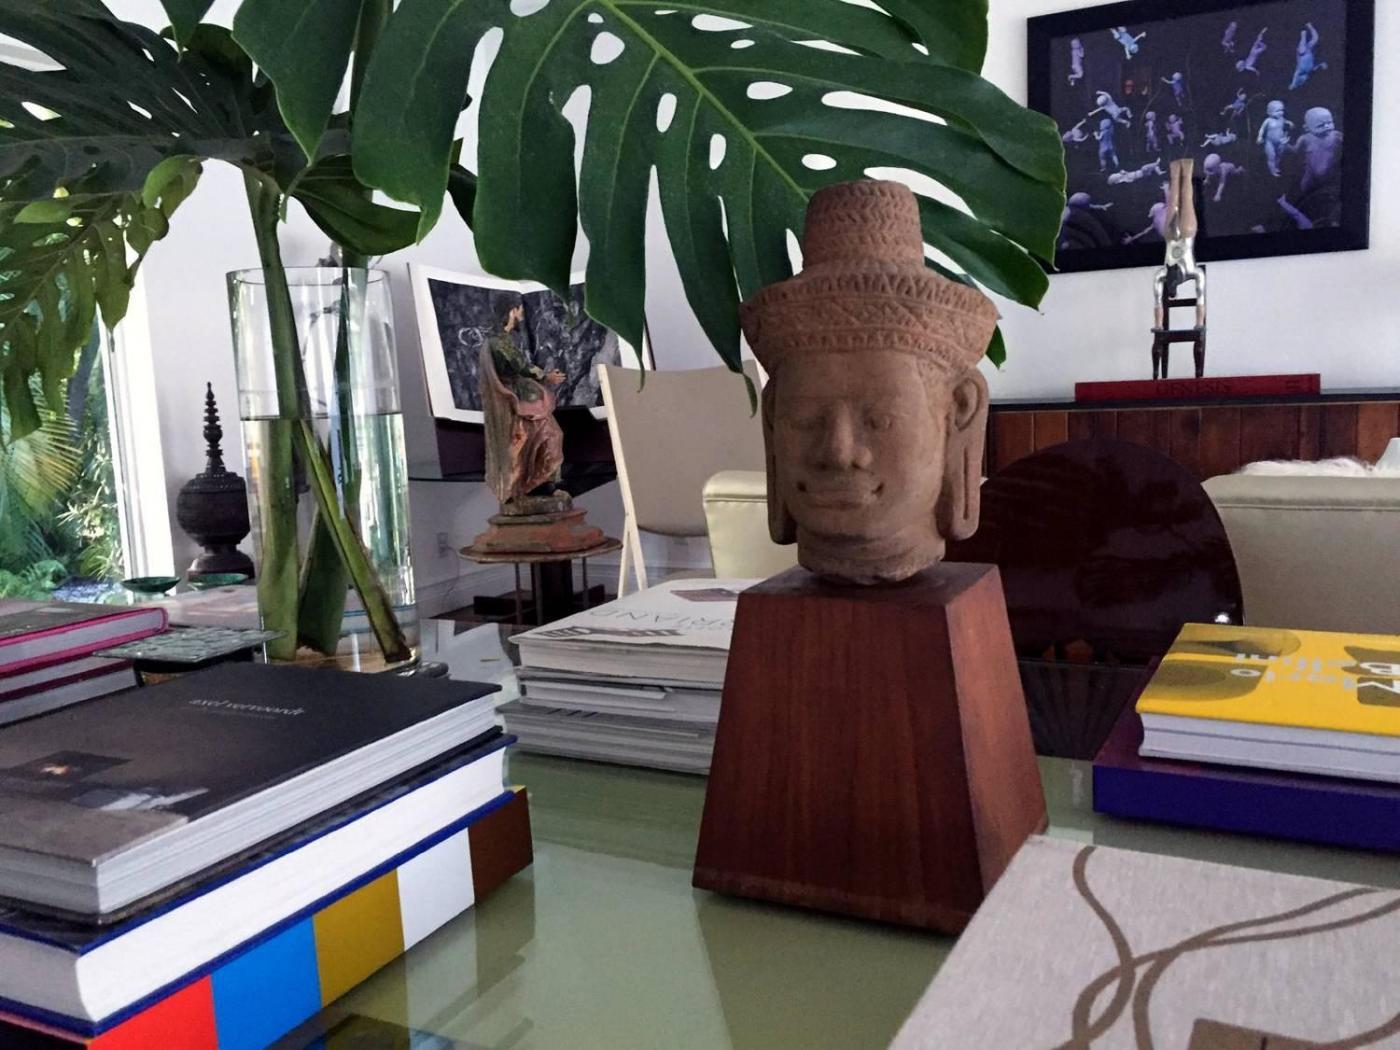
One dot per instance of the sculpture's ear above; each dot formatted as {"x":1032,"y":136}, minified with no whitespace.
{"x":781,"y":525}
{"x":960,"y":502}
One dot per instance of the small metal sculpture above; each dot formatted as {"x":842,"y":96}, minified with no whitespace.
{"x":212,"y":507}
{"x":1181,"y":268}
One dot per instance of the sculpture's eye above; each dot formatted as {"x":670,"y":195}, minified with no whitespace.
{"x":805,"y":420}
{"x":879,"y":421}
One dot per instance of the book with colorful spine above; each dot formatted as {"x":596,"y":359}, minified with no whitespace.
{"x":284,"y":975}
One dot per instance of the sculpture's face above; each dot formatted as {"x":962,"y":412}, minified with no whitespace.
{"x":861,"y":446}
{"x":1275,"y":109}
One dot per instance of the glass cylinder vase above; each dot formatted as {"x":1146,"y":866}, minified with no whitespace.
{"x":318,"y":397}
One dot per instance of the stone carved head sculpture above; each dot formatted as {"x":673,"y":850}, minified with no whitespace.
{"x":875,"y":413}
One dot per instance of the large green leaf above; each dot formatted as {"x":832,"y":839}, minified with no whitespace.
{"x":185,"y":16}
{"x":305,"y":48}
{"x":95,"y":157}
{"x":78,"y":147}
{"x":340,"y":205}
{"x":683,"y":90}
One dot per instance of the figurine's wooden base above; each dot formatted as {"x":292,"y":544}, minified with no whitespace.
{"x":563,"y":532}
{"x":874,"y":755}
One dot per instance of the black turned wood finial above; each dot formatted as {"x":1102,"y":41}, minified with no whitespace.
{"x":213,"y":433}
{"x":212,"y":507}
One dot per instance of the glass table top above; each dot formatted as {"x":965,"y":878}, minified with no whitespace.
{"x":604,"y":944}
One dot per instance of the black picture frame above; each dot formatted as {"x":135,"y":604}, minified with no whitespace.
{"x":1098,"y":245}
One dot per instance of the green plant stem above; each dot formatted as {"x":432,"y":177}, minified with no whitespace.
{"x":279,"y":574}
{"x":326,"y":580}
{"x":295,"y":423}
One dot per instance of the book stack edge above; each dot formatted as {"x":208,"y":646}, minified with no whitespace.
{"x":634,"y":682}
{"x":1266,"y":732}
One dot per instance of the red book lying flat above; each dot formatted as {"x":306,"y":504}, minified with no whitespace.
{"x":34,"y":633}
{"x":1308,"y":385}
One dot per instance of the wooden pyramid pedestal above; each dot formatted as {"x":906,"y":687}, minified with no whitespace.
{"x":874,"y":755}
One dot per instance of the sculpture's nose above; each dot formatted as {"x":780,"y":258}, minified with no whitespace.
{"x":841,"y":447}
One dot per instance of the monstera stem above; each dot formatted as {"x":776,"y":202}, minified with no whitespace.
{"x":293,"y":436}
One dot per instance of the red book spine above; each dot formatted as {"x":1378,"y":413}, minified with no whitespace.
{"x":1303,"y":385}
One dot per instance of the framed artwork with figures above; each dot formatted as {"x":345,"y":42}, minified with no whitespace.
{"x":459,"y":313}
{"x":1272,"y":99}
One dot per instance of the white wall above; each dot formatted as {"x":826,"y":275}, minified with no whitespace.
{"x":1336,"y":314}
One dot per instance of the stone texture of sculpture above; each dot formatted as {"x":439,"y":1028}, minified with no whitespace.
{"x":875,"y":413}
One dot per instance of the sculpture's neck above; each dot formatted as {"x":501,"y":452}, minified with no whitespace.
{"x":889,"y":559}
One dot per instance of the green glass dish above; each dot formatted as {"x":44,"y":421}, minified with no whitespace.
{"x":151,"y":584}
{"x":206,"y":581}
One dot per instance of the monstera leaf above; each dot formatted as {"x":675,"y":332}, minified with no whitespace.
{"x":97,"y":154}
{"x":743,"y":108}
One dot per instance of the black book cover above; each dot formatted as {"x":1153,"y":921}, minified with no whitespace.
{"x":88,"y":781}
{"x":80,"y":934}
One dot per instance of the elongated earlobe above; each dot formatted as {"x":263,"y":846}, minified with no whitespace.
{"x":960,"y":502}
{"x":781,"y":525}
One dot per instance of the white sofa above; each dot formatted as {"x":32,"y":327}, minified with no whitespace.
{"x":1320,"y":553}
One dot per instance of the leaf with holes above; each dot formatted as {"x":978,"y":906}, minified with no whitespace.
{"x":743,"y":108}
{"x":95,"y":157}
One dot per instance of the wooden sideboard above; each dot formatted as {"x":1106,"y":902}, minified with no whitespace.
{"x":1207,"y":437}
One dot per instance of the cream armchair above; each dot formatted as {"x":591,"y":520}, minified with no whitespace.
{"x":736,"y":517}
{"x":1315,"y":553}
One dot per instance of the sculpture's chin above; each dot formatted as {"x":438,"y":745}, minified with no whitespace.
{"x":869,"y":563}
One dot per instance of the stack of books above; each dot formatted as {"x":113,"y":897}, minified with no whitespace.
{"x":1283,"y":733}
{"x":636,"y":681}
{"x":46,"y":653}
{"x":211,"y":861}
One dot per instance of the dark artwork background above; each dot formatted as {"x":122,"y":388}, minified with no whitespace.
{"x":1245,"y":218}
{"x":557,"y":334}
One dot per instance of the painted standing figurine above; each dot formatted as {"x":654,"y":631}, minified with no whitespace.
{"x":1250,"y":64}
{"x":1307,"y":60}
{"x":1108,"y":153}
{"x":1274,"y":134}
{"x":525,"y":442}
{"x":1076,"y":61}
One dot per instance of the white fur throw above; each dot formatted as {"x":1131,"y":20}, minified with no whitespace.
{"x":1345,"y":467}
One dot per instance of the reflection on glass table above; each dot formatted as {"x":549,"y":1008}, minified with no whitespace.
{"x":604,"y":945}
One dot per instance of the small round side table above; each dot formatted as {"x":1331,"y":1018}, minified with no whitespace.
{"x":545,"y":585}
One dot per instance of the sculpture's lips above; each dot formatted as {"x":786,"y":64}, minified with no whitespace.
{"x":840,"y":496}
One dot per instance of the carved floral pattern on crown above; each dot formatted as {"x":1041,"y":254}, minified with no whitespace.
{"x":866,"y":287}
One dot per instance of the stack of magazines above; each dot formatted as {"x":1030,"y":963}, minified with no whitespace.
{"x":1268,"y":731}
{"x":636,"y":681}
{"x":225,"y":854}
{"x":47,"y":653}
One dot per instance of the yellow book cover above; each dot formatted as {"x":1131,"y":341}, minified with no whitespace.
{"x":1347,"y":683}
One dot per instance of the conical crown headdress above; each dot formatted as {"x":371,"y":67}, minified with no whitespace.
{"x":865,"y":286}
